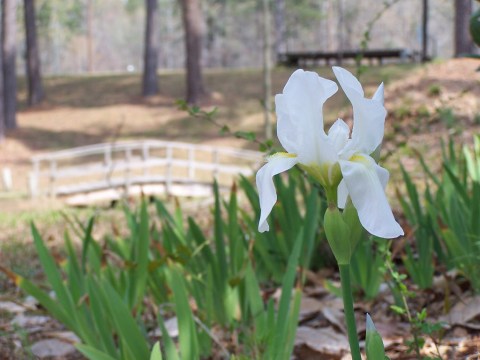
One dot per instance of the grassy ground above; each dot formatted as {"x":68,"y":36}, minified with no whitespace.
{"x":82,"y":110}
{"x":92,"y":109}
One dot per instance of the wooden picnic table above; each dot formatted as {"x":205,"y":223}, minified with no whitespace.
{"x":303,"y":58}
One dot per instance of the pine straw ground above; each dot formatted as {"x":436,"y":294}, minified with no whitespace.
{"x":425,"y":104}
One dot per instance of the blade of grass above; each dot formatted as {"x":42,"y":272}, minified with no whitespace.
{"x":92,"y":353}
{"x":189,"y":349}
{"x":170,"y":348}
{"x":156,"y":353}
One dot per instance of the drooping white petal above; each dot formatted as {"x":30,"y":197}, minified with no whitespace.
{"x":383,"y":175}
{"x":342,"y":194}
{"x":299,"y":113}
{"x":266,"y":189}
{"x":338,"y":134}
{"x":342,"y":191}
{"x":379,"y":94}
{"x":368,"y":196}
{"x":368,"y":114}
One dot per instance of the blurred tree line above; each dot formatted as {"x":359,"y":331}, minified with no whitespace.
{"x":78,"y":36}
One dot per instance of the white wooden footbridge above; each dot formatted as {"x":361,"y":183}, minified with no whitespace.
{"x":110,"y":171}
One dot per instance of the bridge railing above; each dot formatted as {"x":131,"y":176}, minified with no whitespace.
{"x":124,"y":164}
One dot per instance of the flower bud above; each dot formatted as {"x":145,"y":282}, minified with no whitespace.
{"x":338,"y":235}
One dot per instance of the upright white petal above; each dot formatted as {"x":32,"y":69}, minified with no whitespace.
{"x":368,"y":114}
{"x":368,"y":197}
{"x":287,"y":131}
{"x":348,"y":82}
{"x":299,"y":113}
{"x":266,"y":189}
{"x":338,"y":134}
{"x":379,"y":94}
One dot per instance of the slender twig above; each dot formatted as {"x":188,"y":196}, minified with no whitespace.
{"x":215,"y":339}
{"x":407,"y":311}
{"x":366,"y":34}
{"x":204,"y":327}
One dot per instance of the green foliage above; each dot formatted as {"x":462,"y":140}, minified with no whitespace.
{"x":133,"y":5}
{"x":102,"y":291}
{"x":367,"y":270}
{"x":434,"y":90}
{"x":423,"y":112}
{"x":445,"y":219}
{"x":419,"y":263}
{"x":68,"y":14}
{"x":456,"y":208}
{"x":403,"y":111}
{"x":274,"y":334}
{"x":298,"y":209}
{"x":475,"y":27}
{"x":198,"y":113}
{"x":447,"y":116}
{"x":373,"y":342}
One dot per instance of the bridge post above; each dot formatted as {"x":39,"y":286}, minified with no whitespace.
{"x":145,"y":158}
{"x":107,"y":162}
{"x":168,"y":174}
{"x":33,"y":178}
{"x":52,"y":178}
{"x":128,"y":158}
{"x":216,"y":163}
{"x":191,"y":162}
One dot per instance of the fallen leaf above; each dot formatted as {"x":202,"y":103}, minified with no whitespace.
{"x":325,"y":340}
{"x":52,"y":348}
{"x":463,"y":313}
{"x":25,"y":321}
{"x":172,"y":328}
{"x":65,"y":336}
{"x":11,"y":307}
{"x":335,"y":317}
{"x":308,"y":306}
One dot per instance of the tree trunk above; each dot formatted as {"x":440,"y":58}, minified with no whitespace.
{"x":463,"y":41}
{"x":2,"y":101}
{"x":267,"y":69}
{"x":150,"y":58}
{"x":35,"y":88}
{"x":9,"y":54}
{"x":280,"y":28}
{"x":193,"y":27}
{"x":90,"y":54}
{"x":424,"y":54}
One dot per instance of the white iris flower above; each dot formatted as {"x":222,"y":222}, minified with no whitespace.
{"x":340,"y":161}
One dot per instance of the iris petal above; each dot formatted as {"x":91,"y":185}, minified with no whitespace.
{"x":266,"y":189}
{"x":342,"y":191}
{"x":338,"y":134}
{"x":299,"y":113}
{"x":368,"y":196}
{"x":379,"y":94}
{"x":342,"y":194}
{"x":348,"y":82}
{"x":368,"y":114}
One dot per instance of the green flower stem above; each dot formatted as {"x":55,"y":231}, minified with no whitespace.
{"x":348,"y":309}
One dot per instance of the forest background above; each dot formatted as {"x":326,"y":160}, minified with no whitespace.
{"x":79,"y":36}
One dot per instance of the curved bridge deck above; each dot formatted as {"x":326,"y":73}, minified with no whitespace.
{"x":149,"y":167}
